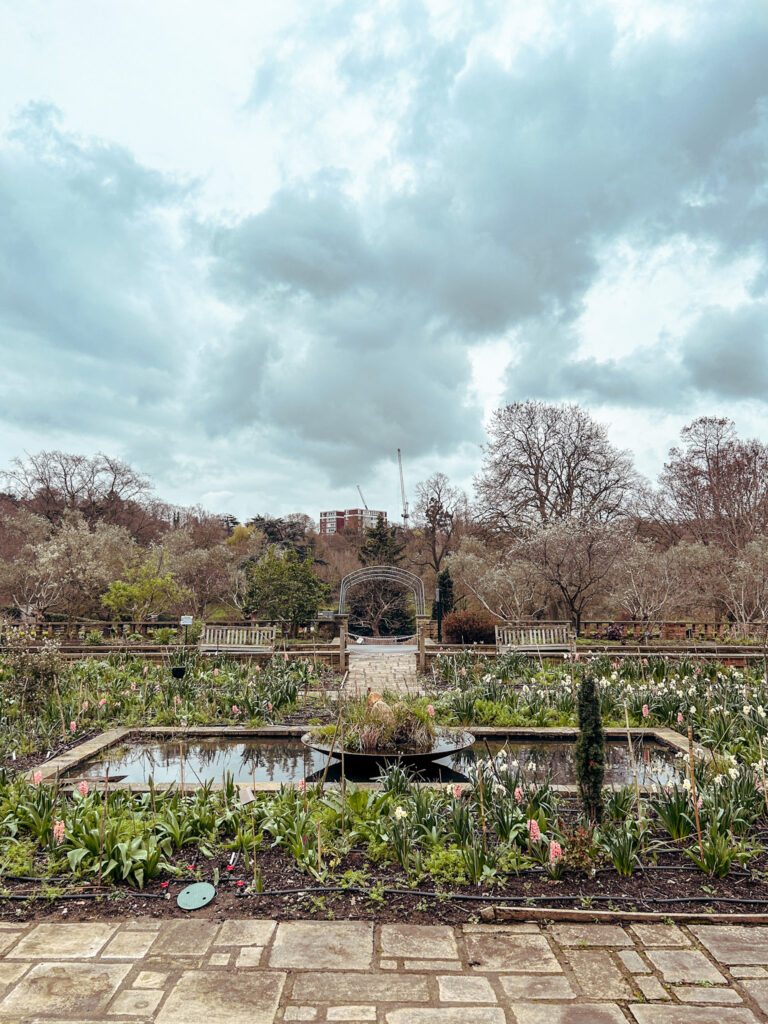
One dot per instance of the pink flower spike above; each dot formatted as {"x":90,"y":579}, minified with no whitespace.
{"x":37,"y":778}
{"x":82,"y":789}
{"x":679,"y":718}
{"x":235,"y":709}
{"x":301,"y":785}
{"x":102,"y":702}
{"x":463,"y":671}
{"x":533,"y":830}
{"x":555,"y":852}
{"x":269,"y":706}
{"x":146,"y":669}
{"x":518,"y":795}
{"x":457,"y":791}
{"x":58,"y":832}
{"x":215,"y":671}
{"x":430,"y":710}
{"x":73,"y":726}
{"x":645,"y":711}
{"x":85,"y":705}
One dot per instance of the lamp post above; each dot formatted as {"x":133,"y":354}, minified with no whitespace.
{"x":439,"y":604}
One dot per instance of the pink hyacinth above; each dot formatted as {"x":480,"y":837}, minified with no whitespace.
{"x":430,"y":710}
{"x":235,"y":709}
{"x":679,"y":718}
{"x":58,"y":832}
{"x":555,"y":851}
{"x":463,"y":671}
{"x":215,"y":671}
{"x":645,"y":711}
{"x":73,"y":726}
{"x":146,"y":669}
{"x":457,"y":791}
{"x":533,"y":830}
{"x":37,"y":778}
{"x":700,"y":803}
{"x":82,"y":789}
{"x":257,"y":668}
{"x":133,"y":687}
{"x":102,"y":702}
{"x":301,"y":785}
{"x":518,"y":795}
{"x":85,"y":705}
{"x":177,"y":700}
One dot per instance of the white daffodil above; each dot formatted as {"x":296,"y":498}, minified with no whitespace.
{"x":400,"y":813}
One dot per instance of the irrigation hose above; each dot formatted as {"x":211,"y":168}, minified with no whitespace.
{"x":441,"y":896}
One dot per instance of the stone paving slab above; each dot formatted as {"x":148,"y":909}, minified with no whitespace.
{"x":259,"y":971}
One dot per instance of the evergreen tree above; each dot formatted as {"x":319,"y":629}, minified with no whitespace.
{"x":447,"y":599}
{"x":381,"y":546}
{"x":590,"y":749}
{"x":281,"y":586}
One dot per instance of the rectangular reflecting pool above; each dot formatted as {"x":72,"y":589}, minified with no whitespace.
{"x":263,"y":759}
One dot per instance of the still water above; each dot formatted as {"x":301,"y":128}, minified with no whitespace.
{"x":260,"y":759}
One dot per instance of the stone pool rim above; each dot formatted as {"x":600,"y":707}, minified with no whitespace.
{"x":53,"y":770}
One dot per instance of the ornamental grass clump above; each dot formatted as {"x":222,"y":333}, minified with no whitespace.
{"x":590,"y":750}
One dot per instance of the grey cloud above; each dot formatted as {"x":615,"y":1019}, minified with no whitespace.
{"x":727,"y":352}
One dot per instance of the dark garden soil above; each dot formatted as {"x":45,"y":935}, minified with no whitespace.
{"x":672,"y":886}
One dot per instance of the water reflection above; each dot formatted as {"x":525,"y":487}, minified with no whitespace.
{"x":261,"y":759}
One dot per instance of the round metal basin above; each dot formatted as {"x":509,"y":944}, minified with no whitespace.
{"x":447,"y":742}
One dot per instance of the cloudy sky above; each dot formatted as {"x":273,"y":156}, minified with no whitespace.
{"x":254,"y":248}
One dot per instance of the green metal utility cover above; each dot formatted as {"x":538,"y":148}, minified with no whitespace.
{"x":195,"y":896}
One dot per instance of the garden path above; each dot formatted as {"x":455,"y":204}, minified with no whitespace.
{"x":380,"y":672}
{"x":206,"y":971}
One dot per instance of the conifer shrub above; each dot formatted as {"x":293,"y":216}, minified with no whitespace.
{"x":590,"y":749}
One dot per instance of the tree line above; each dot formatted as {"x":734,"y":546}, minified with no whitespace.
{"x":559,"y":525}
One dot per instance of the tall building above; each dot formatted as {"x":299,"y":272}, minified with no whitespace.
{"x":354,"y":519}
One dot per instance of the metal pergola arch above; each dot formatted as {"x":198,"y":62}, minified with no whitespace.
{"x":386,"y":573}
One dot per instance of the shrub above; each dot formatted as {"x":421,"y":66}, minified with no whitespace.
{"x":590,"y":750}
{"x":469,"y":627}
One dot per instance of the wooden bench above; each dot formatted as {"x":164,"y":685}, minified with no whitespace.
{"x":238,"y":638}
{"x":552,"y":638}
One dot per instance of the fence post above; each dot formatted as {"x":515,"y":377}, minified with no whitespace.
{"x":343,"y":623}
{"x":421,"y":638}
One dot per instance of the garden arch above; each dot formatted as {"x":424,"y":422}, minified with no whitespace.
{"x":385,"y":573}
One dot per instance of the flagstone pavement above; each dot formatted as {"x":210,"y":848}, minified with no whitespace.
{"x":250,"y":971}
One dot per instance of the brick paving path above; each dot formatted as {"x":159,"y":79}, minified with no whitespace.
{"x":379,"y":672}
{"x":195,"y":971}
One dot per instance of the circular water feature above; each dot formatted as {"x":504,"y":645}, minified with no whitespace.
{"x":448,"y":743}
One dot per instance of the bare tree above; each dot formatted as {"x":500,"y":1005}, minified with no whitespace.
{"x":505,"y":585}
{"x":575,"y":559}
{"x":99,"y":487}
{"x":440,"y":509}
{"x":740,"y":582}
{"x":549,"y":462}
{"x":714,"y":488}
{"x":648,"y":582}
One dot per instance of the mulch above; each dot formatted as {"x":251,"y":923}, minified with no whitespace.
{"x":673,"y":886}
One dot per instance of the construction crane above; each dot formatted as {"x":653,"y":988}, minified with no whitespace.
{"x":402,"y":490}
{"x":362,"y":498}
